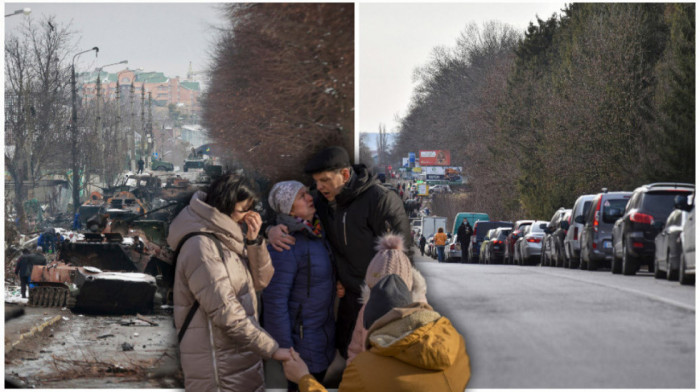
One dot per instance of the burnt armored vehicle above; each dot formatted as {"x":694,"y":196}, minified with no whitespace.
{"x":91,"y":290}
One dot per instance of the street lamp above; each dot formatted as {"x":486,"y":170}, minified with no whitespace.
{"x":25,"y":11}
{"x":74,"y":133}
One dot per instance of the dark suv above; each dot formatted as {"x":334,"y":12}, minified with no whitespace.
{"x":596,"y":235}
{"x":479,"y":231}
{"x":641,"y":221}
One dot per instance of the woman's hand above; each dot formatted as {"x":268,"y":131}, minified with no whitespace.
{"x":295,"y":368}
{"x":279,"y":238}
{"x":282,"y":354}
{"x":254,"y":222}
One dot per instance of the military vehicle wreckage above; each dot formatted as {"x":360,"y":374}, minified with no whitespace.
{"x":121,"y":264}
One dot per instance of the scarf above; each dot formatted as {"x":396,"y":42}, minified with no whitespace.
{"x":312,"y":228}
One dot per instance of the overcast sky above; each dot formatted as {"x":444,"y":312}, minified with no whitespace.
{"x":162,"y":37}
{"x":396,"y":38}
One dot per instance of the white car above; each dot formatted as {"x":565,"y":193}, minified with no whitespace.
{"x":686,"y":271}
{"x":530,"y":244}
{"x":572,"y":241}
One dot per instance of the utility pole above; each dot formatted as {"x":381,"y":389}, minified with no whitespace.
{"x":142,"y":145}
{"x":74,"y":133}
{"x":149,"y":127}
{"x":120,"y":137}
{"x":132,"y":131}
{"x":98,"y":126}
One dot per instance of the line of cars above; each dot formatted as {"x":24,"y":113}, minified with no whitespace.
{"x":651,"y":227}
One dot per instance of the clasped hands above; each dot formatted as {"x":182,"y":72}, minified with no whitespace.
{"x":294,"y":367}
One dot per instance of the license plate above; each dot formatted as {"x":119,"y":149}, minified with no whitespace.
{"x":607,"y":244}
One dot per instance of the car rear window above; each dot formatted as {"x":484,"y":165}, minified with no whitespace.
{"x":536,"y":229}
{"x":660,"y":204}
{"x":483,"y":227}
{"x":610,"y":204}
{"x":503,"y":234}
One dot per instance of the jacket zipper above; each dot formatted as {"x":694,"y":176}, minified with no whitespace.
{"x":345,"y":229}
{"x":300,"y":323}
{"x":213,"y":355}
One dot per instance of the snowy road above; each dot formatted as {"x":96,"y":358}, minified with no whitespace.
{"x":542,"y":327}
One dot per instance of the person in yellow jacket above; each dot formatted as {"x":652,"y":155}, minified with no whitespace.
{"x":412,"y":348}
{"x":440,"y":241}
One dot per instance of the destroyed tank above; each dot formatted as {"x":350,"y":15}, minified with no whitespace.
{"x":124,"y":246}
{"x":91,"y":290}
{"x":175,"y":187}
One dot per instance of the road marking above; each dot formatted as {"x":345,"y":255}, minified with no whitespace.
{"x":33,"y":331}
{"x":628,"y":290}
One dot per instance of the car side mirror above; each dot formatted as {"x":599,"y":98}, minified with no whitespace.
{"x":580,"y":219}
{"x":564,"y":225}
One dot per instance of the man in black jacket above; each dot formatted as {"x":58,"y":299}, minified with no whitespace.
{"x":23,"y":270}
{"x":355,"y":210}
{"x":421,"y":244}
{"x":464,"y":234}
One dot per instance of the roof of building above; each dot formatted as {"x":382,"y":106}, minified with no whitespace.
{"x":151,"y":77}
{"x":190,"y":85}
{"x":91,"y":77}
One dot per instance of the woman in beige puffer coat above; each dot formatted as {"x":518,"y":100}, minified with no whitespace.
{"x":223,"y":346}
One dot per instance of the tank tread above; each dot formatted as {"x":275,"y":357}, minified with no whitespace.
{"x":50,"y":297}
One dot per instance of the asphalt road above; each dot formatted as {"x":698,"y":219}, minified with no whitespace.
{"x":543,"y":327}
{"x":81,"y":351}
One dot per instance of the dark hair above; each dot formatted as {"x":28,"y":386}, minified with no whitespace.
{"x":25,"y":251}
{"x":230,"y":189}
{"x":440,"y":230}
{"x":330,"y":158}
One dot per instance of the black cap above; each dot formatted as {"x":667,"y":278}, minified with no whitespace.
{"x":389,"y":293}
{"x":330,"y":158}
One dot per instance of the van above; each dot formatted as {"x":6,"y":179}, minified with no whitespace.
{"x":431,"y":224}
{"x":596,"y":236}
{"x":472,"y":218}
{"x":572,"y":245}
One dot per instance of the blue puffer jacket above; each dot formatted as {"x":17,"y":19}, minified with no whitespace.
{"x":298,"y":302}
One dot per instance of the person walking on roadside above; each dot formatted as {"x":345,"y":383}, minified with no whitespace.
{"x":140,"y":163}
{"x":219,"y":268}
{"x":23,"y":269}
{"x":421,"y":245}
{"x":355,"y":210}
{"x":464,"y":234}
{"x":298,"y":302}
{"x":440,"y":241}
{"x":410,"y":348}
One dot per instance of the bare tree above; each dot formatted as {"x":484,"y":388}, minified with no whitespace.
{"x":282,"y":84}
{"x":36,"y":103}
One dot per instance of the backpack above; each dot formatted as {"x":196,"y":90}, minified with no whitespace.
{"x":195,"y":306}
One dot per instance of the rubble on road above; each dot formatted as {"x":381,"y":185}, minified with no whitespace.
{"x":13,"y":295}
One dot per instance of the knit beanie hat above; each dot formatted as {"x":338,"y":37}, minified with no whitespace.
{"x":390,"y":292}
{"x":282,"y":196}
{"x":390,"y":259}
{"x":330,"y":158}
